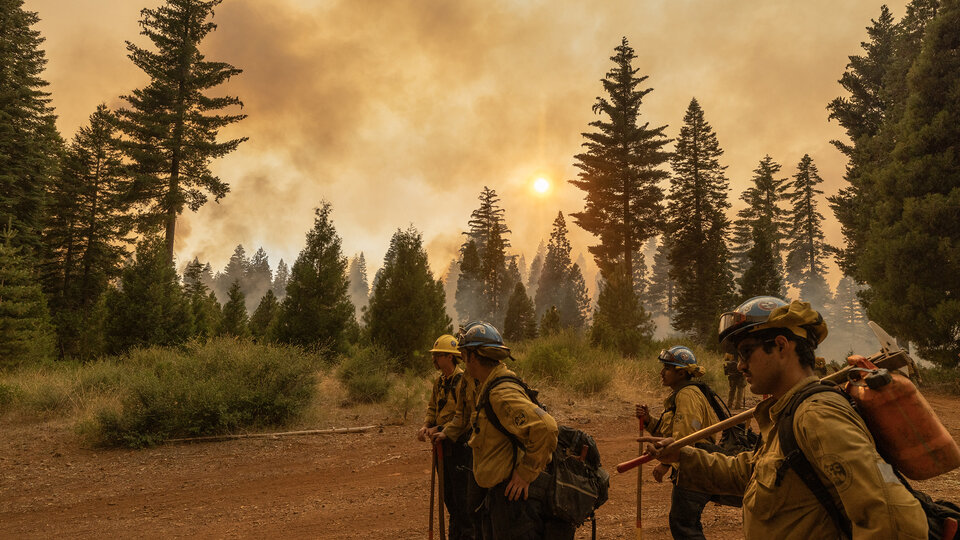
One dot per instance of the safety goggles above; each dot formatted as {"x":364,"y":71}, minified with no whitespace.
{"x":665,"y":356}
{"x":731,"y":319}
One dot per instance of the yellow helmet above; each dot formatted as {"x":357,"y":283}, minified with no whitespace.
{"x":446,"y":344}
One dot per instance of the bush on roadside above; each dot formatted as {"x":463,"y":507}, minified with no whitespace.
{"x":409,"y":393}
{"x":567,"y":359}
{"x":206,"y":389}
{"x":366,"y":374}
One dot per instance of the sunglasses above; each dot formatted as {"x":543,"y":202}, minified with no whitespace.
{"x":744,"y":352}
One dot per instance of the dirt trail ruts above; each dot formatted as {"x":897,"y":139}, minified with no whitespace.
{"x":367,"y":486}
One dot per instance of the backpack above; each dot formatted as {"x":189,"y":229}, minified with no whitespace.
{"x":578,"y":484}
{"x":937,"y":512}
{"x":733,"y":440}
{"x":449,"y":388}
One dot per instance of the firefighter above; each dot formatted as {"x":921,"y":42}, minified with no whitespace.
{"x":515,"y":506}
{"x":451,"y":391}
{"x":685,"y":411}
{"x":774,"y":343}
{"x":735,"y":380}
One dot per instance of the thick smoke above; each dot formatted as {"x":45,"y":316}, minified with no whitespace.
{"x":398,"y":112}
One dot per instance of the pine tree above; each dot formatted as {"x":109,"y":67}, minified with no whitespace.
{"x":487,"y":220}
{"x":807,"y":247}
{"x":763,"y":220}
{"x":235,"y":271}
{"x":536,"y":268}
{"x":149,"y":307}
{"x":909,"y":258}
{"x":575,"y":303}
{"x":235,"y":321}
{"x":450,"y":279}
{"x":85,"y":236}
{"x":469,"y":284}
{"x":877,"y":86}
{"x":264,"y":316}
{"x":662,"y":292}
{"x":280,"y":279}
{"x":26,"y":335}
{"x":29,"y":142}
{"x":556,"y":268}
{"x":494,"y":278}
{"x":257,"y":280}
{"x":317,"y":308}
{"x":620,"y":322}
{"x":407,"y":306}
{"x":359,"y":289}
{"x":697,"y":224}
{"x":206,"y":310}
{"x":550,"y":322}
{"x":764,"y":275}
{"x":620,"y":170}
{"x":171,"y":125}
{"x":520,"y":322}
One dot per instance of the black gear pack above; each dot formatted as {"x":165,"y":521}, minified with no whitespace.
{"x":937,"y":512}
{"x":578,"y":484}
{"x":733,"y":440}
{"x":448,"y":388}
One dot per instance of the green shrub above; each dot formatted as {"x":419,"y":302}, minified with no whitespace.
{"x":942,"y":379}
{"x":590,"y":380}
{"x":206,"y":389}
{"x":409,"y":392}
{"x":567,"y":358}
{"x":8,"y":394}
{"x":366,"y":374}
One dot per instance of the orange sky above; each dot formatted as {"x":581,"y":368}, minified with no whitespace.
{"x":399,"y":111}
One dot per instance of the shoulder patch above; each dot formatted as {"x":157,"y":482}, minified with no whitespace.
{"x":519,"y":419}
{"x":837,"y":471}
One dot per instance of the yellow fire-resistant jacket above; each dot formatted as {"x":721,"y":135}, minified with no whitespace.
{"x":493,"y":451}
{"x":466,"y":401}
{"x":438,"y":415}
{"x":692,"y":412}
{"x":839,"y":446}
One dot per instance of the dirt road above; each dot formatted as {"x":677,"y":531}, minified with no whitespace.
{"x":358,"y":486}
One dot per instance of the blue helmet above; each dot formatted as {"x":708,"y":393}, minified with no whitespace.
{"x":485,"y":338}
{"x":678,"y":356}
{"x":747,"y":316}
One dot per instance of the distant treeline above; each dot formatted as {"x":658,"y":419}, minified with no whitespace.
{"x":73,"y":285}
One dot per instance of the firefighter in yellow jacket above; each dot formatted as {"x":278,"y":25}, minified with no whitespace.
{"x":447,"y":401}
{"x":515,"y":506}
{"x":685,"y":411}
{"x":775,"y":344}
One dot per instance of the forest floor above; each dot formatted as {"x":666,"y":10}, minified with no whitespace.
{"x":372,"y":485}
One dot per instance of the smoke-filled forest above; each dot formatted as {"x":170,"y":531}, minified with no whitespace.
{"x":656,"y":197}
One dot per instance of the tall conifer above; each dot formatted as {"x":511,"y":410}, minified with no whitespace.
{"x":26,"y":334}
{"x":317,"y":308}
{"x":149,"y":307}
{"x":235,"y":322}
{"x":807,"y":248}
{"x":171,"y":125}
{"x":86,"y":235}
{"x":620,"y":169}
{"x":29,"y":142}
{"x":759,"y":232}
{"x":520,"y":321}
{"x":697,"y":224}
{"x":359,"y":287}
{"x":910,"y":255}
{"x":407,"y":308}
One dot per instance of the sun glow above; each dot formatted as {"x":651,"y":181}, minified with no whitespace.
{"x":541,"y":185}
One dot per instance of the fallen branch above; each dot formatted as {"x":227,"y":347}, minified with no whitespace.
{"x":212,"y":438}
